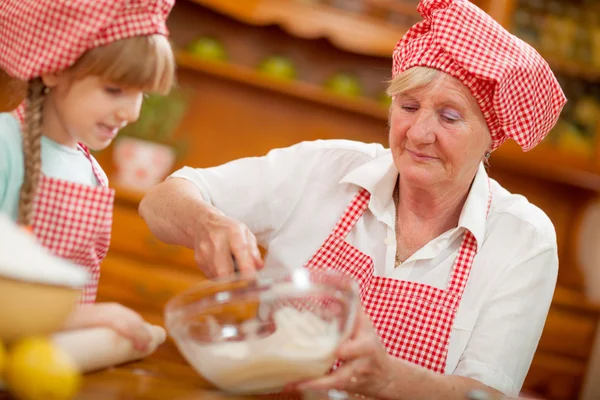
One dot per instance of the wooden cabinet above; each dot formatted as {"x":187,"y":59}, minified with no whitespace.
{"x":12,"y":92}
{"x":554,"y":377}
{"x":131,"y":236}
{"x":236,"y":111}
{"x":559,"y":367}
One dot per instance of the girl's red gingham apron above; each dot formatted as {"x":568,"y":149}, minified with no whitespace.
{"x":74,"y":221}
{"x":414,"y":320}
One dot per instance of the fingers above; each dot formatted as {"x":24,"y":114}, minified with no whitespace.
{"x":131,"y":325}
{"x":363,"y":340}
{"x":226,"y":245}
{"x":159,"y":334}
{"x":123,"y":320}
{"x":258,"y":261}
{"x":213,"y":255}
{"x":340,"y":379}
{"x":363,"y":321}
{"x":221,"y":261}
{"x":245,"y":250}
{"x":364,"y":357}
{"x":362,"y":325}
{"x":141,"y":336}
{"x":353,"y":348}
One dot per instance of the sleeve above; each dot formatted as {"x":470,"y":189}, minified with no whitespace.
{"x":259,"y":191}
{"x":4,"y":167}
{"x":510,"y":324}
{"x":11,"y":164}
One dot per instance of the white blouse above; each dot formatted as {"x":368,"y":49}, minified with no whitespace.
{"x":292,"y":197}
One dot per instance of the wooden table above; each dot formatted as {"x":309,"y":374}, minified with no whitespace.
{"x":163,"y":375}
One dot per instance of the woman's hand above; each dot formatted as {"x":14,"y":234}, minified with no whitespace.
{"x":219,"y":241}
{"x":367,"y":368}
{"x":176,"y":213}
{"x":123,"y":320}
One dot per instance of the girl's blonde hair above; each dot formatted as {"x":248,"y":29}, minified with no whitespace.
{"x":143,"y":62}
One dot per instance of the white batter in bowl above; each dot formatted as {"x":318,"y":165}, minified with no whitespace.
{"x":251,"y":336}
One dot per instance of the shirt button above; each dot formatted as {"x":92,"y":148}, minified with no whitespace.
{"x":388,"y":241}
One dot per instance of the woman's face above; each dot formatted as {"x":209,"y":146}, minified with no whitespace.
{"x":438,"y":135}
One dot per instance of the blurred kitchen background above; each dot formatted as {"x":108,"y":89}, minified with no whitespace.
{"x":259,"y":74}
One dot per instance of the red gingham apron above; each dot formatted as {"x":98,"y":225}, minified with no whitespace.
{"x":414,"y":321}
{"x":74,"y":221}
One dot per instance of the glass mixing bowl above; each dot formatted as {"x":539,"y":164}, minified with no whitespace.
{"x":254,"y":335}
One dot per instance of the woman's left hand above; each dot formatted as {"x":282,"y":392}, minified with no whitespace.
{"x":366,"y":368}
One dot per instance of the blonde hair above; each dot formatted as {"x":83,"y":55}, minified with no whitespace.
{"x":32,"y":157}
{"x":412,"y":79}
{"x":142,"y":62}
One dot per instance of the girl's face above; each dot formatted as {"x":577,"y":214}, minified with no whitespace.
{"x":89,"y":110}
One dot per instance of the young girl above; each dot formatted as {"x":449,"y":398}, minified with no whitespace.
{"x":88,"y":66}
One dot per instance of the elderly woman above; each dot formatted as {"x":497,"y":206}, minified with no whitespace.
{"x":456,"y":273}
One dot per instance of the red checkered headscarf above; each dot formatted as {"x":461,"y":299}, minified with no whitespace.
{"x":43,"y":36}
{"x":515,"y":88}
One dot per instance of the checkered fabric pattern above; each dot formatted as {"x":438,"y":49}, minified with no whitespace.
{"x":414,"y":321}
{"x":515,"y":88}
{"x":335,"y":253}
{"x":74,"y":221}
{"x":41,"y":36}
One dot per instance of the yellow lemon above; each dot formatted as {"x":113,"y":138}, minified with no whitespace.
{"x":37,"y":369}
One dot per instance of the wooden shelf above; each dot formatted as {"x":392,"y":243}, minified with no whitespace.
{"x":125,"y":195}
{"x":375,"y":37}
{"x":543,"y":162}
{"x":399,"y":7}
{"x":548,"y":163}
{"x":572,"y":299}
{"x":574,"y":69}
{"x":299,"y":89}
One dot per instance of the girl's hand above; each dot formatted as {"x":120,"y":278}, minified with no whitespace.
{"x":123,"y":320}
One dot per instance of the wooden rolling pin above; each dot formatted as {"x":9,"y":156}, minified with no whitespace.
{"x":94,"y":349}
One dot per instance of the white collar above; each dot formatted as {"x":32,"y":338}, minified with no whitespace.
{"x":475,"y":211}
{"x":379,"y":176}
